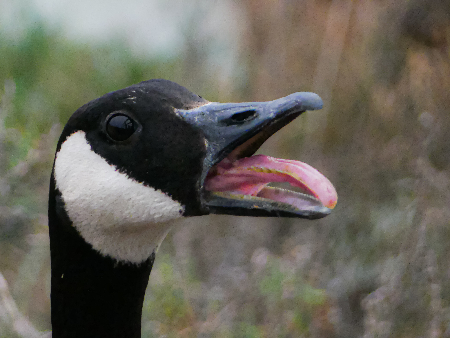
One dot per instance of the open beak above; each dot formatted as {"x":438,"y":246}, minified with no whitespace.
{"x":237,"y":183}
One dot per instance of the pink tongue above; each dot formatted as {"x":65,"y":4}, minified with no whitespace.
{"x":248,"y":176}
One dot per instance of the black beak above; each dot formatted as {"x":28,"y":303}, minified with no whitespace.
{"x":237,"y":130}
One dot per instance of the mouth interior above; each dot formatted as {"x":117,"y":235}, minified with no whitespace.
{"x":240,"y":175}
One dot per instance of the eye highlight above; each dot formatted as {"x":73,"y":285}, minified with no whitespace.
{"x":120,"y":127}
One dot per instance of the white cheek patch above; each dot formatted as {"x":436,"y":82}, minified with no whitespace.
{"x":117,"y":215}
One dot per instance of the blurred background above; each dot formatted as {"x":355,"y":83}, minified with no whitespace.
{"x":378,"y":266}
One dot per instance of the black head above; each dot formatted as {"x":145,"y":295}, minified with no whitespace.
{"x":137,"y":130}
{"x":134,"y":159}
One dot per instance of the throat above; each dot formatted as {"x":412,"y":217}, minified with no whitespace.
{"x":97,"y":297}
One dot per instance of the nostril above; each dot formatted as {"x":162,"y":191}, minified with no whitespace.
{"x":243,"y":116}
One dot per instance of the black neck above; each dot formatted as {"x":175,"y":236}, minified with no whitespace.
{"x":91,"y":295}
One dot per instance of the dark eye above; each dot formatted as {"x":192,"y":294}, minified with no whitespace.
{"x":120,"y":127}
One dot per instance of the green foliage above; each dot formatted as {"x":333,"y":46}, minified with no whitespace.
{"x":166,"y":302}
{"x":312,"y":296}
{"x":247,"y":330}
{"x":288,"y":290}
{"x":271,"y":285}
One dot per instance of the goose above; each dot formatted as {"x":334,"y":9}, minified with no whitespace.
{"x":131,"y":163}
